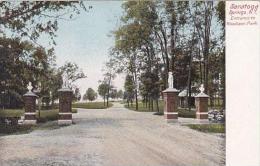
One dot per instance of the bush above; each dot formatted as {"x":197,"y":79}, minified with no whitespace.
{"x":15,"y":129}
{"x":208,"y":128}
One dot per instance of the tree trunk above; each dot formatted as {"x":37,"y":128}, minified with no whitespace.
{"x":149,"y":103}
{"x":108,"y":89}
{"x":146,"y":102}
{"x":136,"y":92}
{"x":157,"y":105}
{"x":152,"y":104}
{"x":189,"y":83}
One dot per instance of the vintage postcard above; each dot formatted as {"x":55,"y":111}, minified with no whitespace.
{"x":129,"y":83}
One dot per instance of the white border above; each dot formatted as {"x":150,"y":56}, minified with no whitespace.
{"x":242,"y":90}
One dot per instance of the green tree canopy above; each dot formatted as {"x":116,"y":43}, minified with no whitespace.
{"x":90,"y":94}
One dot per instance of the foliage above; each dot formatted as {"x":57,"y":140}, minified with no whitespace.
{"x":72,"y":73}
{"x":183,"y":37}
{"x":102,"y":90}
{"x":76,"y":95}
{"x":208,"y":128}
{"x":120,"y":94}
{"x":26,"y":22}
{"x":30,"y":19}
{"x":129,"y":88}
{"x":15,"y":129}
{"x":90,"y":95}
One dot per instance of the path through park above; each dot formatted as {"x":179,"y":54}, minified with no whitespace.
{"x":113,"y":137}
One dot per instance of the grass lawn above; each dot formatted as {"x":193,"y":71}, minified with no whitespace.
{"x":45,"y":115}
{"x":11,"y":112}
{"x":185,"y":113}
{"x":208,"y":128}
{"x":24,"y":129}
{"x":143,"y":108}
{"x":91,"y":105}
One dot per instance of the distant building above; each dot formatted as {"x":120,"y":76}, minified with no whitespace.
{"x":183,"y":98}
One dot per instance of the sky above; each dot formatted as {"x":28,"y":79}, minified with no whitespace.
{"x":86,"y":42}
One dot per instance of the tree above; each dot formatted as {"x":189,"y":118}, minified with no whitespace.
{"x":25,"y":18}
{"x":20,"y":50}
{"x":120,"y":94}
{"x":134,"y":40}
{"x":102,"y":91}
{"x":113,"y":93}
{"x":157,"y":37}
{"x":72,"y":72}
{"x":110,"y":73}
{"x":90,"y":94}
{"x":129,"y":89}
{"x":76,"y":95}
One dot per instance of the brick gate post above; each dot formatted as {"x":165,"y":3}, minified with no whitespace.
{"x":65,"y":104}
{"x":30,"y":106}
{"x":201,"y":104}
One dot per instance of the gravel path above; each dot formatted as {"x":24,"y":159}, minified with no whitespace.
{"x":113,"y":137}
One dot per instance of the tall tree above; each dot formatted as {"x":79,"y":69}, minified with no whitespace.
{"x":90,"y":94}
{"x":129,"y":89}
{"x":72,"y":72}
{"x":102,"y":91}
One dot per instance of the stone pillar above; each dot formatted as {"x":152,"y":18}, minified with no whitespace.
{"x":170,"y":97}
{"x":65,"y":102}
{"x":30,"y":108}
{"x":201,"y":102}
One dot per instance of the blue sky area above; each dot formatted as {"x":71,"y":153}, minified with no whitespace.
{"x":86,"y":41}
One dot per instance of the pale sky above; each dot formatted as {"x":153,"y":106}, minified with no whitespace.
{"x":85,"y":41}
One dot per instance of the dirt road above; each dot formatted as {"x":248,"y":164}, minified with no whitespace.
{"x":114,"y":137}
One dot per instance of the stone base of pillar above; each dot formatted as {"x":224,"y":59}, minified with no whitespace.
{"x":171,"y":117}
{"x":65,"y":118}
{"x":201,"y":115}
{"x":65,"y":122}
{"x":172,"y":120}
{"x":29,"y":122}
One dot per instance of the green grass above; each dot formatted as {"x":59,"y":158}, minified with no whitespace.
{"x":185,"y":113}
{"x":11,"y":112}
{"x":24,"y":129}
{"x":45,"y":115}
{"x":74,"y":110}
{"x":142,"y":107}
{"x":91,"y":105}
{"x":50,"y":115}
{"x":208,"y":128}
